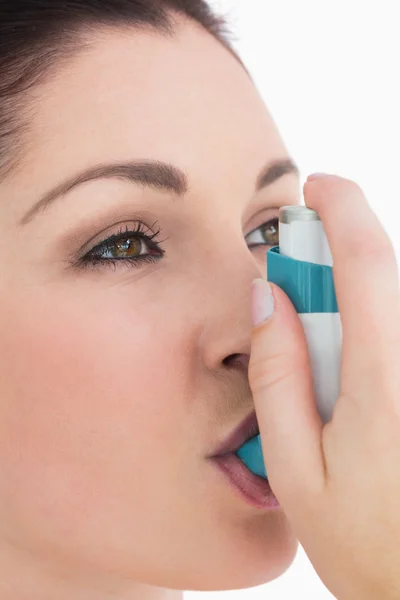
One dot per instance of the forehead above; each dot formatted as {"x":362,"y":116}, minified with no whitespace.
{"x":132,"y":94}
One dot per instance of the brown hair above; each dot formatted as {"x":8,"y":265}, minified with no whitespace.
{"x":37,"y":35}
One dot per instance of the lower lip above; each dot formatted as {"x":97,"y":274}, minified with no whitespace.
{"x":255,"y":490}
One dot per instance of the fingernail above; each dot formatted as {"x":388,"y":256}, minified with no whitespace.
{"x":262,"y":301}
{"x":316,"y":176}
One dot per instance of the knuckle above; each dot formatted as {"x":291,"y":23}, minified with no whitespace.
{"x":353,"y":187}
{"x":267,"y":373}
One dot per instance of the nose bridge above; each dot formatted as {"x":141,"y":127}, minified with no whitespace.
{"x":230,"y":269}
{"x":226,"y":299}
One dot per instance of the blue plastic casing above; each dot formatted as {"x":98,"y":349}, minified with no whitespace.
{"x":311,"y":289}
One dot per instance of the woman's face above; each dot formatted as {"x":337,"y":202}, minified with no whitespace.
{"x":114,"y":386}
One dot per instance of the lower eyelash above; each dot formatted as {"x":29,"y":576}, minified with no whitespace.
{"x":96,"y":262}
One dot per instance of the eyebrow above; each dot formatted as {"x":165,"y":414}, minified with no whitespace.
{"x":149,"y":173}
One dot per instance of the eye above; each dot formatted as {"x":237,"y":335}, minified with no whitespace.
{"x":130,"y":247}
{"x":265,"y":235}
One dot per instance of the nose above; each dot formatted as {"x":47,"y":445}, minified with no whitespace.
{"x":225,"y":338}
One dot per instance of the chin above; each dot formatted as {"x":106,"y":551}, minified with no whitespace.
{"x":247,"y":573}
{"x":249,"y":561}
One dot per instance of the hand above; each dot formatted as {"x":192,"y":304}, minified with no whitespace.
{"x":339,"y":484}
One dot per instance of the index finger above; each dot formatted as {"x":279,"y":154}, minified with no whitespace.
{"x":364,"y":263}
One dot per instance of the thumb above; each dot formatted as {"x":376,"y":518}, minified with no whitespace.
{"x":281,"y":382}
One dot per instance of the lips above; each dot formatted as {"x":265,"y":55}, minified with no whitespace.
{"x":247,"y":429}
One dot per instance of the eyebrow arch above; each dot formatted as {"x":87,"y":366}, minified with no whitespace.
{"x":148,"y":173}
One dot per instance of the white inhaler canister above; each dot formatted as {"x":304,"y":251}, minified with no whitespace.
{"x":302,"y":238}
{"x":302,"y":267}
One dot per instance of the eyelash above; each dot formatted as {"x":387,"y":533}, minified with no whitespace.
{"x":93,"y":260}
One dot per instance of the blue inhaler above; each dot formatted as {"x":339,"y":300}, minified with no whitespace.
{"x":302,"y":267}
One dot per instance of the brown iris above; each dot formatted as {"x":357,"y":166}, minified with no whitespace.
{"x":126,"y":247}
{"x":270,"y":232}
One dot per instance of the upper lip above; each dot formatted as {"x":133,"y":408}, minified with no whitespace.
{"x":246,"y":429}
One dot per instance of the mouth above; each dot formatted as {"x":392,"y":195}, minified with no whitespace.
{"x":247,"y":429}
{"x":254,"y":490}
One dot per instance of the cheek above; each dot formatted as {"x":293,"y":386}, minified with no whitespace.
{"x":84,"y":398}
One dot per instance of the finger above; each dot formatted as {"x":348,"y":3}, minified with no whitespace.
{"x":365,"y":267}
{"x":281,"y":383}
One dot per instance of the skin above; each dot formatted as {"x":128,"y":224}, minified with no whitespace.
{"x":113,"y":385}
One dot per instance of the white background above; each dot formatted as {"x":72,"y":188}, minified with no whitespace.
{"x":329,"y":73}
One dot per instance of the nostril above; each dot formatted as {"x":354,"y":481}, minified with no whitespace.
{"x":238,"y":359}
